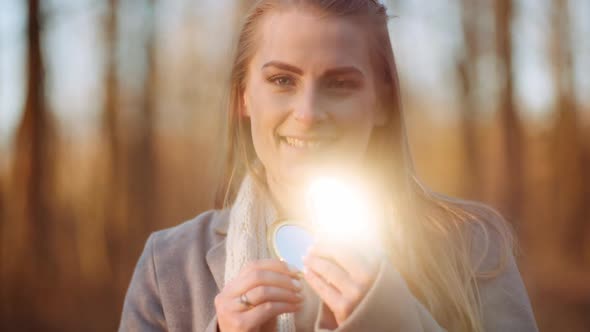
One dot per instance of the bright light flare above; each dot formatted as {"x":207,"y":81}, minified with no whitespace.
{"x":341,"y":211}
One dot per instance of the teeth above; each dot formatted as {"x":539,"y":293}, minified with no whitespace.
{"x":307,"y":144}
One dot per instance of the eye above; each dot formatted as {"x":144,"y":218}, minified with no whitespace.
{"x":342,"y":83}
{"x":282,"y":80}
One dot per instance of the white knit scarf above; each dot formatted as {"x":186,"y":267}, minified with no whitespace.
{"x":250,"y":215}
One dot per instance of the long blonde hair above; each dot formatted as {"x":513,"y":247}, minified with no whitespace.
{"x":433,"y":236}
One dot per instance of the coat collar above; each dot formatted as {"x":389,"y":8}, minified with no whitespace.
{"x":215,"y":256}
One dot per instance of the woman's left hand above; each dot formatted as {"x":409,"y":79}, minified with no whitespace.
{"x":341,"y":278}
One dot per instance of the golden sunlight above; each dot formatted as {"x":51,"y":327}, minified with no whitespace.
{"x":341,"y":211}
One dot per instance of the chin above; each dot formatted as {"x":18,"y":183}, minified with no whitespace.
{"x":297,"y":175}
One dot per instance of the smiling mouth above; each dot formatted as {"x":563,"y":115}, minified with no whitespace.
{"x":305,"y":143}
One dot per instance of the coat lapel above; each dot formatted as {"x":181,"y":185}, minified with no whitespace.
{"x":216,"y":260}
{"x":215,"y":256}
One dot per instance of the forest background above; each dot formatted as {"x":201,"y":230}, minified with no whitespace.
{"x":111,"y":125}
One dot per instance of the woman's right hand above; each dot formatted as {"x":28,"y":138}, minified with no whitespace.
{"x":271,"y":289}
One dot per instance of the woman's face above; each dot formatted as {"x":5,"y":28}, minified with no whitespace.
{"x":310,"y":94}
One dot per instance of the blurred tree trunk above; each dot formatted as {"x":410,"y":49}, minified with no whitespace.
{"x":467,"y":76}
{"x":143,"y":161}
{"x":31,"y":258}
{"x":3,"y":226}
{"x":114,"y":198}
{"x":512,"y":137}
{"x":113,"y":228}
{"x":110,"y":122}
{"x":570,"y":204}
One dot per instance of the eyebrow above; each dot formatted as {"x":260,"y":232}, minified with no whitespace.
{"x":329,"y":72}
{"x":343,"y":71}
{"x":284,"y":66}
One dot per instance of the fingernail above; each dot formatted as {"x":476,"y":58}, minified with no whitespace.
{"x":296,"y":283}
{"x":292,"y":268}
{"x":299,"y":296}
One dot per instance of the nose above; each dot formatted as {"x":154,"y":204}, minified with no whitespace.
{"x":308,"y":110}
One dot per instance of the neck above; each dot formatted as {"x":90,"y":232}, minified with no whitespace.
{"x":289,"y":200}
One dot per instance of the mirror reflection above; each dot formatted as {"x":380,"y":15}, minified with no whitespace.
{"x":290,"y":242}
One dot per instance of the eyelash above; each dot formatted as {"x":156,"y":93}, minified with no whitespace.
{"x":344,"y":84}
{"x":339,"y":84}
{"x":275,"y":80}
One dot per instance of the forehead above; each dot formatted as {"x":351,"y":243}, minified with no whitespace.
{"x":306,"y":40}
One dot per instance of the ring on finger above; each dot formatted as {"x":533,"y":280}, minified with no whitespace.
{"x":244,"y":300}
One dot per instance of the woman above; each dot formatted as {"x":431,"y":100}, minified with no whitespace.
{"x":314,"y":87}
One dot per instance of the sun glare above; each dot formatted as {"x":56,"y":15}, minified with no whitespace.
{"x":341,"y":211}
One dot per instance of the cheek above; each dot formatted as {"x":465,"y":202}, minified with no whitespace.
{"x":266,"y":113}
{"x":356,"y":116}
{"x":263,"y":105}
{"x":357,"y":121}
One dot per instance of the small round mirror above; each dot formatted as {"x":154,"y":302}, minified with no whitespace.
{"x":289,"y":241}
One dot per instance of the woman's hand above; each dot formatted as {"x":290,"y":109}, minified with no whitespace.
{"x":341,"y":278}
{"x":262,"y":290}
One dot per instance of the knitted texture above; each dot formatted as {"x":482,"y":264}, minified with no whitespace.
{"x":250,"y":216}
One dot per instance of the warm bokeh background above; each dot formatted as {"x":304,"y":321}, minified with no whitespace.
{"x":110,"y":128}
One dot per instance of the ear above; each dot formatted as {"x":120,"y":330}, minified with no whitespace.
{"x":383,"y":105}
{"x":381,"y":116}
{"x":244,"y":105}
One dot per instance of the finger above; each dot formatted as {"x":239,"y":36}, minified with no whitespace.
{"x":340,"y":306}
{"x":268,"y":310}
{"x":347,"y":257}
{"x":331,"y":272}
{"x":270,"y":265}
{"x":324,"y":290}
{"x":359,"y":266}
{"x":262,"y":294}
{"x":264,"y":278}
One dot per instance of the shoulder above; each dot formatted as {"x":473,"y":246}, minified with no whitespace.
{"x":488,"y":236}
{"x":197,"y":234}
{"x":492,"y":241}
{"x":503,"y":295}
{"x":175,"y":279}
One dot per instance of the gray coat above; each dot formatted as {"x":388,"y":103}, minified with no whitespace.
{"x":181,"y":270}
